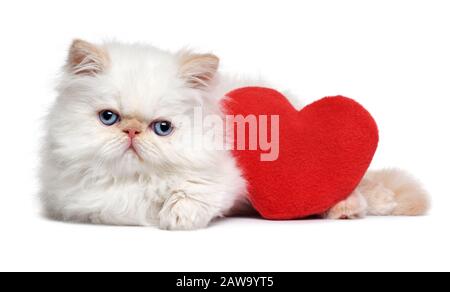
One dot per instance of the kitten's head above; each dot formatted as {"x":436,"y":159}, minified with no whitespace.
{"x":122,"y":107}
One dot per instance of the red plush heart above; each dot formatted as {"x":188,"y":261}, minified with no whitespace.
{"x":324,"y":151}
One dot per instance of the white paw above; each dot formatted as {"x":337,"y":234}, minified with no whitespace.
{"x":353,"y":207}
{"x":183,"y":213}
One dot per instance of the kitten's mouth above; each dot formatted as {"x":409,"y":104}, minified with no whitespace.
{"x":133,"y":150}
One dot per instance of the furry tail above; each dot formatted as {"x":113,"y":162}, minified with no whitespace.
{"x":394,"y":192}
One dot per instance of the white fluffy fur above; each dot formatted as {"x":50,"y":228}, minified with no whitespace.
{"x":88,"y":177}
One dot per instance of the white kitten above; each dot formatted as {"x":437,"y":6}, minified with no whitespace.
{"x":118,"y":149}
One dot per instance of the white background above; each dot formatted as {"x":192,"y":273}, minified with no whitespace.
{"x":392,"y":56}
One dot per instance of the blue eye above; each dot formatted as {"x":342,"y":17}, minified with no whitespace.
{"x":162,"y":128}
{"x":108,"y":117}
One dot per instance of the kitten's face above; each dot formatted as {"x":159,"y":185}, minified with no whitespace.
{"x":123,"y":108}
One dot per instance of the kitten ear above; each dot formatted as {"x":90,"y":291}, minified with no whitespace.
{"x":198,"y":69}
{"x":86,"y":58}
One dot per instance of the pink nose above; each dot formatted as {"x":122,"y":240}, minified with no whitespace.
{"x":132,"y":132}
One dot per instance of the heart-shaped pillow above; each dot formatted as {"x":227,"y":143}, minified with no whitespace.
{"x":324,"y":151}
